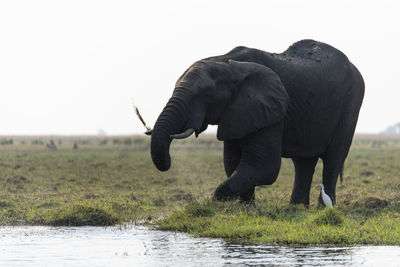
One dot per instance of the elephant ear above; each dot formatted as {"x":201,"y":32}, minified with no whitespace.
{"x":259,"y":100}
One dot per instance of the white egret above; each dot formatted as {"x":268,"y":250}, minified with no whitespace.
{"x":325,"y":198}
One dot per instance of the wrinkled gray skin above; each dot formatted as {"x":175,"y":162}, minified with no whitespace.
{"x":301,"y":104}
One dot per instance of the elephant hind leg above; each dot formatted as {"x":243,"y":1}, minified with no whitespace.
{"x":333,"y":161}
{"x":304,"y":171}
{"x":330,"y":173}
{"x":336,"y":153}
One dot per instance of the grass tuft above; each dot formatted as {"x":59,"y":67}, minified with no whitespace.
{"x":196,"y":209}
{"x":80,"y":215}
{"x":328,"y":216}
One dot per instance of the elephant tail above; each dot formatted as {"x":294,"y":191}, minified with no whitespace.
{"x":341,"y":174}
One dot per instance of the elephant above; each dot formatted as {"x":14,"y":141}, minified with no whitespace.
{"x":301,"y":104}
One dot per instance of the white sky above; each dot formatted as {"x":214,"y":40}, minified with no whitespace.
{"x":73,"y":67}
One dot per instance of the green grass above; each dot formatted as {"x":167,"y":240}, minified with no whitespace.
{"x":272,"y":223}
{"x":112,"y":180}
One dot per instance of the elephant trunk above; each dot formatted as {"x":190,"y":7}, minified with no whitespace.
{"x":171,"y":121}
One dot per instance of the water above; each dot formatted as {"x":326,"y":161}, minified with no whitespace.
{"x":139,"y":246}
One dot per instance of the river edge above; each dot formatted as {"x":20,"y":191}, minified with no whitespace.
{"x":139,"y":245}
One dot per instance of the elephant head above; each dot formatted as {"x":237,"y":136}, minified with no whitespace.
{"x":239,"y":97}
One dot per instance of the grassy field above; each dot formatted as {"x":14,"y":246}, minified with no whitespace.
{"x":106,"y":181}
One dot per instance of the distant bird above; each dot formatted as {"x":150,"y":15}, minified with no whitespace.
{"x":325,"y":198}
{"x":149,"y":130}
{"x":51,"y":146}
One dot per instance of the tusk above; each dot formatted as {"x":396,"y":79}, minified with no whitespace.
{"x":183,"y":135}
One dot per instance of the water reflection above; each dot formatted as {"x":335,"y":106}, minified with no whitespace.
{"x":275,"y":255}
{"x":138,"y":246}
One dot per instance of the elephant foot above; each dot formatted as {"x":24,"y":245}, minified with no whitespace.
{"x":225,"y":193}
{"x":300,"y":197}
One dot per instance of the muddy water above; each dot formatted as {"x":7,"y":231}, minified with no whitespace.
{"x":139,"y":246}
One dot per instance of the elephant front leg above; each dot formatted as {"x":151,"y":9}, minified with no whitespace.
{"x":258,"y":159}
{"x":241,"y":184}
{"x":235,"y":188}
{"x":232,"y":155}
